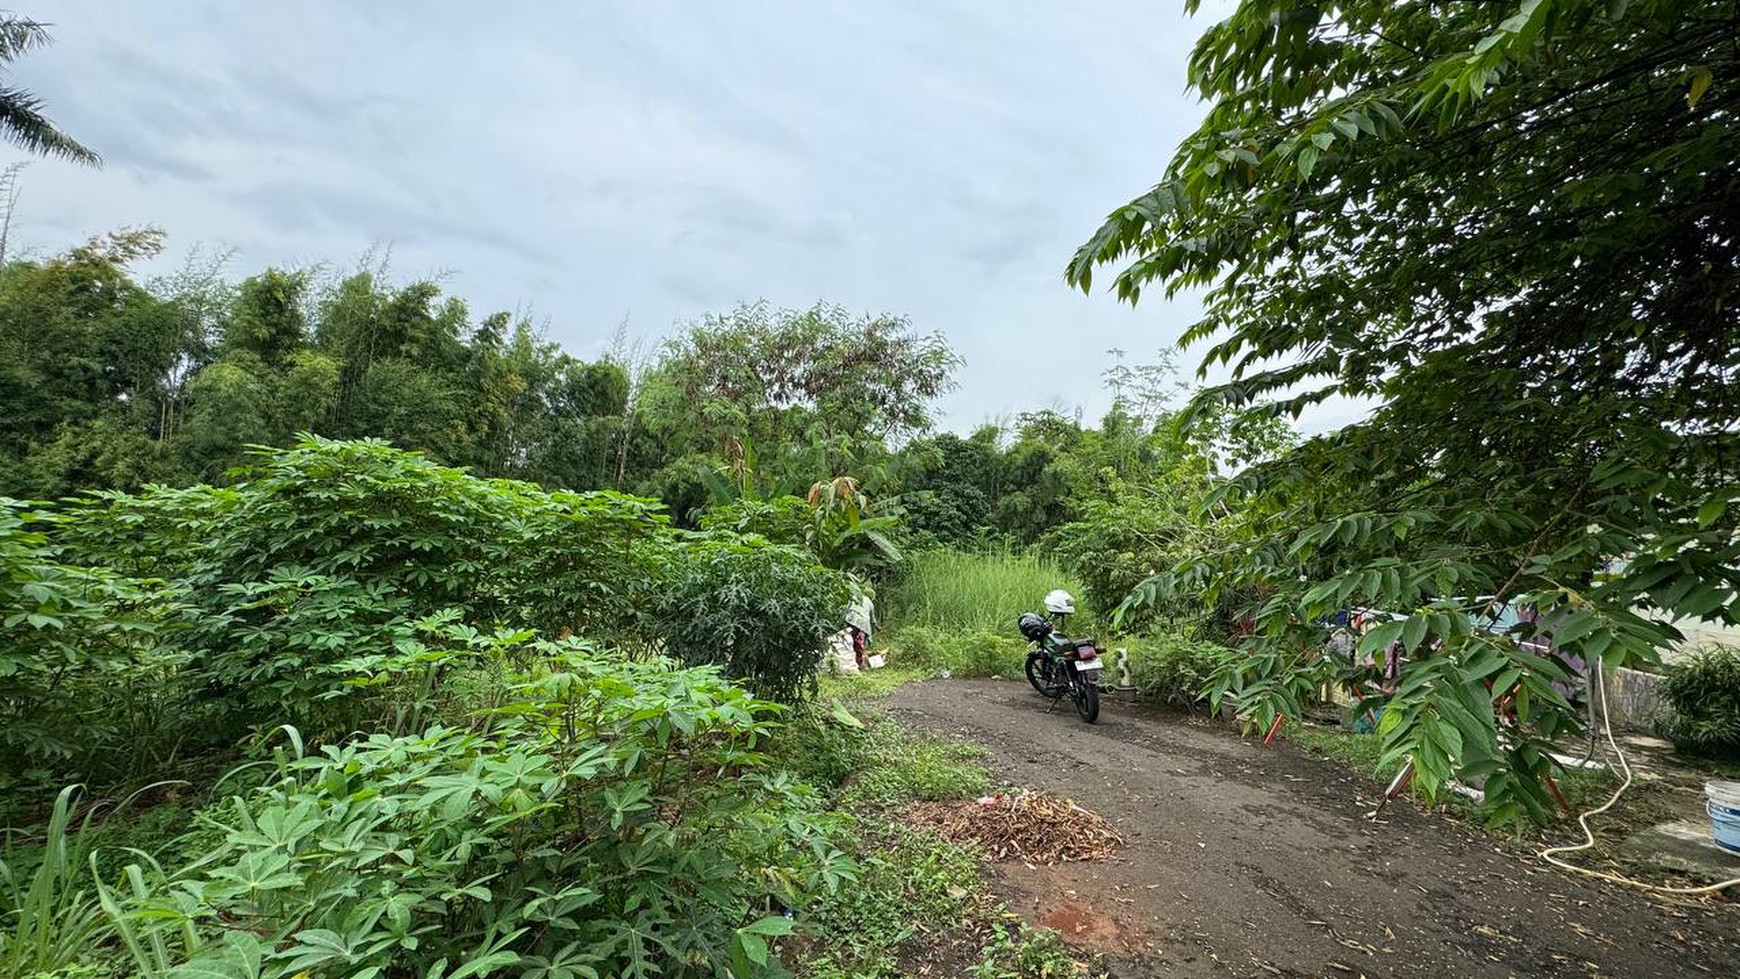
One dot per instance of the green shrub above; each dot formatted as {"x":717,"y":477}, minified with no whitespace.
{"x":991,"y":654}
{"x":782,"y":520}
{"x":590,"y":832}
{"x":325,"y":554}
{"x":983,"y":592}
{"x":1118,"y":544}
{"x":972,"y":653}
{"x":1704,"y":696}
{"x":1016,"y":951}
{"x":761,"y":612}
{"x":82,"y":673}
{"x":820,"y":748}
{"x":1173,"y":668}
{"x":919,"y":645}
{"x":912,"y":890}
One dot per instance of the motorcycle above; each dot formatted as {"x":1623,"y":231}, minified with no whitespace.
{"x":1057,"y":664}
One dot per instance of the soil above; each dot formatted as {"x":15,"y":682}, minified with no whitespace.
{"x":1246,"y":860}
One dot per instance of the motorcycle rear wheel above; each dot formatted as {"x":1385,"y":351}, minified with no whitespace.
{"x":1086,"y":694}
{"x":1042,"y":677}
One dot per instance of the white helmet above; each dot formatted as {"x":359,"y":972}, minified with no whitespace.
{"x":1059,"y":602}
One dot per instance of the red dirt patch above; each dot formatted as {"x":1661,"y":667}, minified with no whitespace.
{"x":1079,"y":924}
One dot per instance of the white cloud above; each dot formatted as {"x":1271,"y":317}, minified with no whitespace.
{"x":658,"y":160}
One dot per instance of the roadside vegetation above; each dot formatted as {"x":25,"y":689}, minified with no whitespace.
{"x":344,"y":631}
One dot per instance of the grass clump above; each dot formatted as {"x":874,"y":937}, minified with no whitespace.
{"x":903,"y":768}
{"x":1704,"y":696}
{"x":823,"y":746}
{"x":870,"y":684}
{"x":972,"y":592}
{"x":870,"y":763}
{"x":1015,"y":951}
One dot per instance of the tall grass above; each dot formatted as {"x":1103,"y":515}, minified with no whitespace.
{"x":50,"y":920}
{"x":960,"y":591}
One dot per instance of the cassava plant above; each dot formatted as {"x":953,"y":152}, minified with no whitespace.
{"x":761,"y":612}
{"x":586,"y":831}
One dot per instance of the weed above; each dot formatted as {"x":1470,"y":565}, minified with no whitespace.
{"x":870,"y":683}
{"x":905,"y":769}
{"x":1016,"y":951}
{"x":908,"y":885}
{"x":1172,"y":667}
{"x":971,"y":653}
{"x":821,"y":746}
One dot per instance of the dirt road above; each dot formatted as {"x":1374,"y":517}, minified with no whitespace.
{"x":1253,"y":861}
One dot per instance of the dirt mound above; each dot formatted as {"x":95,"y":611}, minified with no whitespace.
{"x":1031,"y":826}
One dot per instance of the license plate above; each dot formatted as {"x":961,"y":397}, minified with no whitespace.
{"x":1088,"y":664}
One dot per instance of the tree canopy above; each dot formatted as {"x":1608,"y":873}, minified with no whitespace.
{"x":1516,"y":226}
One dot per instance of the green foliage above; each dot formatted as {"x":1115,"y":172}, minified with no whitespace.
{"x":1119,"y":544}
{"x":966,"y":653}
{"x":1174,"y":668}
{"x":981,"y":592}
{"x":1257,"y":684}
{"x":1025,"y":482}
{"x":115,"y":384}
{"x":820,"y":746}
{"x":899,"y":768}
{"x":80,"y":343}
{"x":871,"y":683}
{"x":1015,"y":951}
{"x":782,"y":520}
{"x":546,"y":843}
{"x":773,"y":375}
{"x":1703,"y":694}
{"x":321,"y":562}
{"x":849,"y":532}
{"x":909,"y":884}
{"x":1368,"y":207}
{"x":50,"y":920}
{"x":761,"y":612}
{"x":80,"y":665}
{"x":837,"y":522}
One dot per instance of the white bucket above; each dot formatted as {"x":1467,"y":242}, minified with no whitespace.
{"x":1723,"y":805}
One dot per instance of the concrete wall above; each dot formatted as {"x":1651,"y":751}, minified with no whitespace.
{"x":1633,"y":699}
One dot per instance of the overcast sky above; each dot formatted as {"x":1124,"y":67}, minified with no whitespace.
{"x":595,"y":162}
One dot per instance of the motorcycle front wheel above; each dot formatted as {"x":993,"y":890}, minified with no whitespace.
{"x":1086,"y":695}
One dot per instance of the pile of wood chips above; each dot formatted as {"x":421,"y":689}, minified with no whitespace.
{"x":1031,"y":826}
